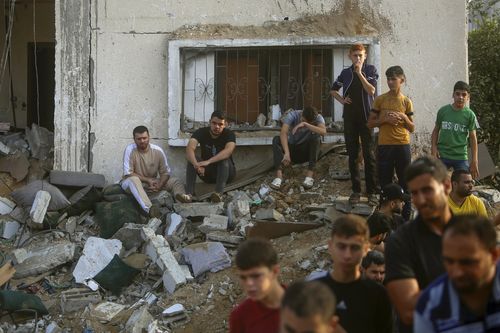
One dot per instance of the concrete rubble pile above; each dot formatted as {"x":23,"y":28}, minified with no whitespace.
{"x":142,"y":275}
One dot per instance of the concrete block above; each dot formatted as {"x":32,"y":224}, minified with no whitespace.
{"x":154,"y":224}
{"x":4,"y":149}
{"x":139,"y":320}
{"x":53,"y":328}
{"x":6,"y":206}
{"x":130,"y":235}
{"x":198,"y":209}
{"x":228,"y":240}
{"x":70,"y":224}
{"x":96,"y":255}
{"x":268,"y":214}
{"x":242,"y":208}
{"x":175,"y":224}
{"x":106,"y":311}
{"x":40,"y":205}
{"x":78,"y":298}
{"x":207,"y":256}
{"x":187,"y":273}
{"x":39,"y":259}
{"x":77,"y":179}
{"x":309,"y":196}
{"x":174,"y":313}
{"x":158,"y":250}
{"x":214,"y":223}
{"x":8,"y":227}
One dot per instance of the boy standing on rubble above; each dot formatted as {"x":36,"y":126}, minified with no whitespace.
{"x":392,"y":113}
{"x":257,"y":263}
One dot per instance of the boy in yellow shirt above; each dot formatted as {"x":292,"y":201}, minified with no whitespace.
{"x":392,"y":114}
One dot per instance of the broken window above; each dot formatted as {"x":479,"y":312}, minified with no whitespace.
{"x":247,"y":83}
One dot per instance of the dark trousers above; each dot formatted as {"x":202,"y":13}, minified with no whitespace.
{"x":396,"y":158}
{"x":220,"y":173}
{"x":307,"y":151}
{"x":353,"y":132}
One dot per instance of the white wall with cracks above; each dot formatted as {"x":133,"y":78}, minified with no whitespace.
{"x":129,"y":51}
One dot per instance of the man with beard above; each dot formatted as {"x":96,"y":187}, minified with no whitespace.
{"x":461,"y":199}
{"x":413,"y":252}
{"x":373,"y":266}
{"x":392,"y":200}
{"x":216,"y":164}
{"x":467,"y":298}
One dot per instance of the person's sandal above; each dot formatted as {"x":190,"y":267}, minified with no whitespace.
{"x":216,"y":197}
{"x":276,"y":183}
{"x":183,"y":198}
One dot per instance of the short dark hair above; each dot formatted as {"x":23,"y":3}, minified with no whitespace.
{"x":378,"y":223}
{"x":140,"y":129}
{"x":373,"y":257}
{"x":350,"y":225}
{"x":218,"y":114}
{"x":308,"y":299}
{"x":461,"y":85}
{"x":256,"y":252}
{"x":426,"y":165}
{"x":310,"y":113}
{"x":470,"y":224}
{"x":395,"y":71}
{"x":455,"y":176}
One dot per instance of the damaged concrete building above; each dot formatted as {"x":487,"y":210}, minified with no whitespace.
{"x":169,"y":64}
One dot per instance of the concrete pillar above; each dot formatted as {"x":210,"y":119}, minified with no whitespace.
{"x":72,"y":90}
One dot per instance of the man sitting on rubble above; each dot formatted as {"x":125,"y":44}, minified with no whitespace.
{"x":257,"y":263}
{"x":392,"y":201}
{"x":143,"y":162}
{"x":299,"y":141}
{"x":461,"y":199}
{"x":216,"y":164}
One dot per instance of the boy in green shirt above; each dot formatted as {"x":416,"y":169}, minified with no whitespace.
{"x":456,"y":124}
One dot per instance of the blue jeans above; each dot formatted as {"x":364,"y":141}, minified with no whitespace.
{"x":456,"y":164}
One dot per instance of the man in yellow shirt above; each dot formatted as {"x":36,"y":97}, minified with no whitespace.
{"x":461,"y":199}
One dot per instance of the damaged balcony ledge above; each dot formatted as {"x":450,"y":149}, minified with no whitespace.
{"x":257,"y":138}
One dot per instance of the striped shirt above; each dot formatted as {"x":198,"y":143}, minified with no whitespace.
{"x":439,"y":309}
{"x":148,"y":164}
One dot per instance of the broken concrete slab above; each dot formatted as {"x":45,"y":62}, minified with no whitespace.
{"x":187,"y":273}
{"x":77,"y":299}
{"x":342,"y":204}
{"x":130,"y":235}
{"x":228,"y":240}
{"x":38,"y":259}
{"x":158,"y":250}
{"x":309,"y":196}
{"x":40,"y":205}
{"x":154,"y":223}
{"x":139,"y":320}
{"x":490,"y":194}
{"x":269,"y":229}
{"x":4,"y":149}
{"x":106,"y":311}
{"x":16,"y":165}
{"x":19,"y":214}
{"x":214,"y":223}
{"x":8,"y":227}
{"x":76,"y":179}
{"x":41,"y":141}
{"x":175,"y":224}
{"x":268,"y":214}
{"x":70,"y":224}
{"x":6,"y":206}
{"x":198,"y":209}
{"x":97,"y":254}
{"x":207,"y":256}
{"x":174,"y":313}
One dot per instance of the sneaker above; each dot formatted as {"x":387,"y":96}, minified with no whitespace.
{"x":308,"y":183}
{"x":355,"y":198}
{"x":154,"y":211}
{"x":373,"y":199}
{"x":183,"y":197}
{"x":276,"y":183}
{"x":216,"y":197}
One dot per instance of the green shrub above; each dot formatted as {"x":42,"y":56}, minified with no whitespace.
{"x":484,"y":79}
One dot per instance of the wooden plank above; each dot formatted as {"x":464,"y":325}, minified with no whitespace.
{"x":269,"y":230}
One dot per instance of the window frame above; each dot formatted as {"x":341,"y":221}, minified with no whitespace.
{"x":175,"y":78}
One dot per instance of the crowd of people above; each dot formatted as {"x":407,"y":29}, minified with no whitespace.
{"x":434,"y":273}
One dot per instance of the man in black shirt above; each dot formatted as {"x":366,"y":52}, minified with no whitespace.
{"x":392,"y":200}
{"x":413,"y":252}
{"x":362,"y":304}
{"x":216,"y":165}
{"x":358,"y":83}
